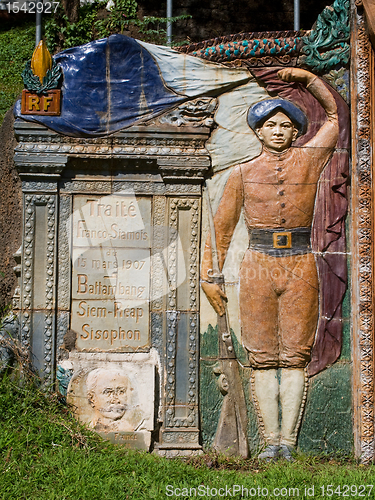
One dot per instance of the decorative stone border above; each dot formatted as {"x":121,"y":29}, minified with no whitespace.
{"x":362,"y":88}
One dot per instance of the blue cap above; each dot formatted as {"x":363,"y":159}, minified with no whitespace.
{"x":262,"y":110}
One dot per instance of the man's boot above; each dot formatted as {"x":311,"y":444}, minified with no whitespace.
{"x":293,"y":385}
{"x":265,"y":387}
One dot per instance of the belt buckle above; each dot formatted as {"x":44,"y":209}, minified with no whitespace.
{"x":282,"y":239}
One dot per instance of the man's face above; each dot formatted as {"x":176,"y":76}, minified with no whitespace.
{"x":277,"y":132}
{"x":111,"y":395}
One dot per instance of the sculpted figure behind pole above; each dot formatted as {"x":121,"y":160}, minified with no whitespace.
{"x":279,"y":287}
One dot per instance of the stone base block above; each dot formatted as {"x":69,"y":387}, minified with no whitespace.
{"x":178,"y":443}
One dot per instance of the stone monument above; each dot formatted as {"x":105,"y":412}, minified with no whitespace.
{"x":115,"y":226}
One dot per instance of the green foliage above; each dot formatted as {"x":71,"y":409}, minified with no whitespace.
{"x":26,"y":408}
{"x":122,"y":13}
{"x":4,"y":311}
{"x":16,"y":47}
{"x":61,"y":34}
{"x":154,"y":29}
{"x":95,"y":21}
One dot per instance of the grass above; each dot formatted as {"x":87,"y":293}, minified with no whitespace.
{"x":16,"y":47}
{"x":46,"y":455}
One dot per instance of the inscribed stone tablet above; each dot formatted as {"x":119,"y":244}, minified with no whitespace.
{"x":111,"y":272}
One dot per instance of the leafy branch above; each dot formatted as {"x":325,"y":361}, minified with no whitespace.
{"x":153,"y":27}
{"x":50,"y":81}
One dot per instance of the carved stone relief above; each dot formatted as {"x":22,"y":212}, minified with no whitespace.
{"x":111,"y":244}
{"x":160,"y":162}
{"x":196,"y":113}
{"x":115,"y":397}
{"x":181,"y":396}
{"x":38,"y":280}
{"x":265,"y":268}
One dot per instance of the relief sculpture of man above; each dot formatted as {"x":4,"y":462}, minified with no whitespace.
{"x":279,"y":288}
{"x":109,"y":394}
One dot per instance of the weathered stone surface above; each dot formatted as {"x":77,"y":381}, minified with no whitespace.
{"x":327,"y":423}
{"x":115,"y":395}
{"x":128,"y":241}
{"x":211,"y":398}
{"x":8,"y":343}
{"x":111,"y":272}
{"x":125,"y":210}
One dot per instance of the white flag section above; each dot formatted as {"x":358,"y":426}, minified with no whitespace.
{"x":233,"y":141}
{"x":194,"y":77}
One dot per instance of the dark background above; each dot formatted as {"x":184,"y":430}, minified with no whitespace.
{"x":213,"y":18}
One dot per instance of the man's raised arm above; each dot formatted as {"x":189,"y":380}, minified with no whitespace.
{"x":328,"y":134}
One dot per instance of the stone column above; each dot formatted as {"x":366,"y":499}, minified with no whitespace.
{"x":161,"y":167}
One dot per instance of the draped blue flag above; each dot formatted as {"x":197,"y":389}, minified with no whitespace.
{"x":108,"y":85}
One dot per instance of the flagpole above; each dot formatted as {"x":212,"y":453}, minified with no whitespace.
{"x":296,"y":15}
{"x":169,"y":24}
{"x":38,"y":32}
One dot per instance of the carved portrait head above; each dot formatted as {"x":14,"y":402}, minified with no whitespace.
{"x":109,"y":393}
{"x":277,"y":123}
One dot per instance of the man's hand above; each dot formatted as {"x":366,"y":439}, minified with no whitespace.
{"x":296,"y":75}
{"x":215,"y":296}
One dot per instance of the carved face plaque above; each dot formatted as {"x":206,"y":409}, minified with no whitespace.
{"x":109,"y":392}
{"x":115,"y":398}
{"x":107,"y":399}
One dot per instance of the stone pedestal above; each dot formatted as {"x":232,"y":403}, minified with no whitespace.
{"x":110,"y":272}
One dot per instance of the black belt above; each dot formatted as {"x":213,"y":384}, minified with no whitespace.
{"x":280,"y":242}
